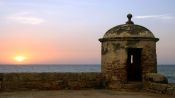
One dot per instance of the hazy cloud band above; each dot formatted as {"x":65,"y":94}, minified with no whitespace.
{"x":155,"y":17}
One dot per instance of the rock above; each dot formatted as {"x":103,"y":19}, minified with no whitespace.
{"x":171,"y":91}
{"x":156,"y":78}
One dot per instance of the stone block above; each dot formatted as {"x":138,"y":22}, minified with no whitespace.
{"x":155,"y":78}
{"x":171,"y":91}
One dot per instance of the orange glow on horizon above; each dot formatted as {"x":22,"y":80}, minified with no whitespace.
{"x":40,"y":51}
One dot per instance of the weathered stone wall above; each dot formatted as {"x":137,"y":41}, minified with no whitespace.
{"x":149,"y":57}
{"x":50,"y":81}
{"x":114,"y":61}
{"x":114,"y":57}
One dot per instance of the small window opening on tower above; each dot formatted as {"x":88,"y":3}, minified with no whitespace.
{"x":131,"y":59}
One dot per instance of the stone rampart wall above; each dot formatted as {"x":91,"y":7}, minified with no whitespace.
{"x":50,"y":81}
{"x":76,"y":81}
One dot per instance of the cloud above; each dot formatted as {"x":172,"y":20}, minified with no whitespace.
{"x":25,"y":18}
{"x":164,"y":17}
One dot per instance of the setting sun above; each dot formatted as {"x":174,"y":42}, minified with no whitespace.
{"x":20,"y":58}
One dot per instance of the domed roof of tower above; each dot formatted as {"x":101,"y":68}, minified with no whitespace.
{"x":128,"y":30}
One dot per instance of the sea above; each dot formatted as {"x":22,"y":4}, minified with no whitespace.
{"x":167,"y":70}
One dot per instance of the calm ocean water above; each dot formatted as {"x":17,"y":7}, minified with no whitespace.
{"x":167,"y":70}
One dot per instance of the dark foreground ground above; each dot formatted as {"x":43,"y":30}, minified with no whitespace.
{"x":80,"y":94}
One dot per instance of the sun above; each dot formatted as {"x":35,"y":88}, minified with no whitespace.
{"x":20,"y":58}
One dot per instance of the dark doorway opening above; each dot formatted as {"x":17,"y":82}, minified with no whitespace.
{"x":134,"y":64}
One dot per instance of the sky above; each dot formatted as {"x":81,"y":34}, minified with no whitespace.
{"x":67,"y":31}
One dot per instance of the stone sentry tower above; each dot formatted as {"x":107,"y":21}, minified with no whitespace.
{"x":128,"y":53}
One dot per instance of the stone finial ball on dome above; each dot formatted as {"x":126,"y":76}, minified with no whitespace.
{"x":129,"y":16}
